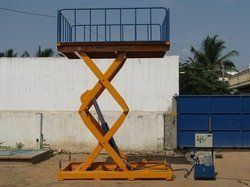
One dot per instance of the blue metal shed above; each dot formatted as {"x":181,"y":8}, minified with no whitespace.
{"x":227,"y":117}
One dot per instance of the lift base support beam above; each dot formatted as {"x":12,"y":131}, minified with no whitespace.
{"x":105,"y":170}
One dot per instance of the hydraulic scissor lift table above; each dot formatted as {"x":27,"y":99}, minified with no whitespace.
{"x":120,"y":168}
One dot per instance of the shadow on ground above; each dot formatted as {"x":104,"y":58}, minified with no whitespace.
{"x":169,"y":159}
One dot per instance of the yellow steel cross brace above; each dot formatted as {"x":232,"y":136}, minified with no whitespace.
{"x":121,"y":168}
{"x":90,"y":121}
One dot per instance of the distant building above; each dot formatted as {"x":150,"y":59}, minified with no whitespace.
{"x":228,"y":74}
{"x":241,"y":81}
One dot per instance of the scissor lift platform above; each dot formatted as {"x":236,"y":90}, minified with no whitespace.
{"x":75,"y":40}
{"x":136,"y":49}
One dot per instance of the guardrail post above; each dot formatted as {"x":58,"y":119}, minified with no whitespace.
{"x":58,"y":26}
{"x":167,"y":25}
{"x":75,"y":24}
{"x":135,"y":25}
{"x":105,"y":17}
{"x":150,"y":17}
{"x":120,"y":24}
{"x":90,"y":25}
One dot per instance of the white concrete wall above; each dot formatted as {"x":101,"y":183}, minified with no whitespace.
{"x":54,"y":85}
{"x":141,"y":132}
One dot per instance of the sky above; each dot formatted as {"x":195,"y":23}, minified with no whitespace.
{"x":191,"y":22}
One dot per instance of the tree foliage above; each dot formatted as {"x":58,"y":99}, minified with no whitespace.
{"x":8,"y":53}
{"x":195,"y":79}
{"x":200,"y":74}
{"x":212,"y":57}
{"x":48,"y":52}
{"x":25,"y":54}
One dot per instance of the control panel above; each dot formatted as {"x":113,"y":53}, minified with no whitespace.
{"x":203,"y":140}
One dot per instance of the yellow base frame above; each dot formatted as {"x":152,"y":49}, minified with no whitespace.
{"x":121,"y":168}
{"x":104,"y":170}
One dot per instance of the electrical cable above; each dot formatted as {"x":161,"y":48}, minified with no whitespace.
{"x":188,"y":172}
{"x":44,"y":15}
{"x":29,"y":13}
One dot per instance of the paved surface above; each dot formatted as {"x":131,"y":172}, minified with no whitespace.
{"x":233,"y":170}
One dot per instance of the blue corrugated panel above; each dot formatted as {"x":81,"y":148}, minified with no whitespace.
{"x":228,"y":118}
{"x":193,"y":104}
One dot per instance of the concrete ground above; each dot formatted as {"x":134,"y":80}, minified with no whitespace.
{"x":233,"y":170}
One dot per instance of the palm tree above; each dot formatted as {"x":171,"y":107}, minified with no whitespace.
{"x":25,"y":54}
{"x":212,"y":57}
{"x":48,"y":52}
{"x":10,"y":53}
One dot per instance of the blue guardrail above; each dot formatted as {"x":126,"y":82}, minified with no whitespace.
{"x":113,"y":24}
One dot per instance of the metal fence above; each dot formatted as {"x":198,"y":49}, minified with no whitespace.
{"x":113,"y":24}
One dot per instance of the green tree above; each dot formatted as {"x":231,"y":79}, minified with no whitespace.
{"x":25,"y":54}
{"x":195,"y":79}
{"x":10,"y":53}
{"x":48,"y":52}
{"x":200,"y":74}
{"x":211,"y":55}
